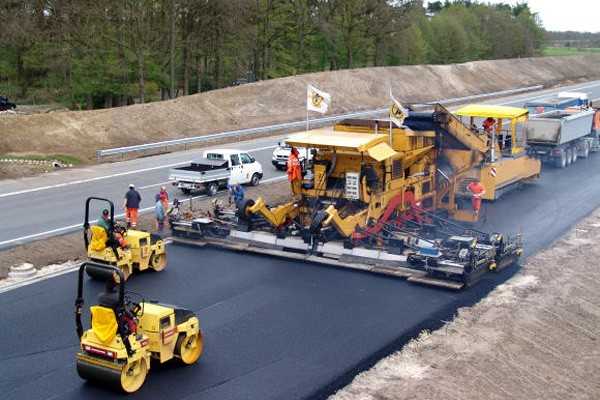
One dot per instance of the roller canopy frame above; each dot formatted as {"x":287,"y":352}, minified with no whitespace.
{"x":108,"y":272}
{"x":111,"y":228}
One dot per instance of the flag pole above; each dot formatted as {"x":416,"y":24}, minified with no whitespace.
{"x":390,"y":118}
{"x":306,"y":119}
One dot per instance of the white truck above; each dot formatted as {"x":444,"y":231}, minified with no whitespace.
{"x":282,"y":153}
{"x":215,"y":170}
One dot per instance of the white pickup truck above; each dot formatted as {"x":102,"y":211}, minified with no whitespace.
{"x":215,"y":170}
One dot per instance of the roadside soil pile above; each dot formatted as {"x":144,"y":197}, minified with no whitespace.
{"x":69,"y":247}
{"x":535,"y":337}
{"x":263,"y":103}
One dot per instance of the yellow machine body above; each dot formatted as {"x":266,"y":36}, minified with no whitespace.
{"x":163,"y":333}
{"x":346,"y":150}
{"x":372,"y":163}
{"x":139,"y":255}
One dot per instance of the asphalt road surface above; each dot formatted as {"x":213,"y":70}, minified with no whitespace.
{"x":51,"y":204}
{"x":274,"y":329}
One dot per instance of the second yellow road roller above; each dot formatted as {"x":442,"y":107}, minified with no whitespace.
{"x":125,"y":334}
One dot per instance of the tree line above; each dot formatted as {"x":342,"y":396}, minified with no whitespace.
{"x":94,"y":54}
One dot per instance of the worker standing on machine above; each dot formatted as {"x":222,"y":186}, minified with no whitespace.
{"x":489,"y":124}
{"x":477,"y":190}
{"x":131,"y":204}
{"x":294,"y":171}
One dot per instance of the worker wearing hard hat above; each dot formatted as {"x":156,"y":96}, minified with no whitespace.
{"x":294,"y":171}
{"x":477,"y":190}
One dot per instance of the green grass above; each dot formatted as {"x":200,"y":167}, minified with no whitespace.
{"x":63,"y":158}
{"x":569,"y":51}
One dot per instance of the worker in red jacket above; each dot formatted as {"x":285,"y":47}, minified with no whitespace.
{"x":477,"y":190}
{"x":294,"y":171}
{"x":489,"y":124}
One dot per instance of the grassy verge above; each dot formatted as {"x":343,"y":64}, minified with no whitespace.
{"x":569,"y":51}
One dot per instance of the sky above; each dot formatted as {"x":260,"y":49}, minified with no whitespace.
{"x":564,"y":15}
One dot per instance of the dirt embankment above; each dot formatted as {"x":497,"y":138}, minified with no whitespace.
{"x":535,"y":337}
{"x":81,"y":133}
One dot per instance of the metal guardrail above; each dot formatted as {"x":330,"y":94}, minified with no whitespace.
{"x":240,"y":133}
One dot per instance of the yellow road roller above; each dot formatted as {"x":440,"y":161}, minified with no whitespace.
{"x":108,"y":242}
{"x":125,"y":335}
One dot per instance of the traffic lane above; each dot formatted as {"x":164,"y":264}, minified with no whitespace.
{"x":38,"y":212}
{"x":273,"y":328}
{"x":550,"y":205}
{"x":115,"y":169}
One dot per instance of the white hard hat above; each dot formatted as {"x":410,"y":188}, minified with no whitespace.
{"x":131,"y":185}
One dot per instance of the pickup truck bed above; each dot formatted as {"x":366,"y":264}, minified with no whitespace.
{"x":202,"y":174}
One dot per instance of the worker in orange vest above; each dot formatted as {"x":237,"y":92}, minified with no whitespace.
{"x":294,"y":171}
{"x":477,"y":190}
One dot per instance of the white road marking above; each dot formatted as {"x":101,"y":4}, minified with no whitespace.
{"x":74,"y":226}
{"x":549,"y":94}
{"x":154,"y":185}
{"x":98,"y":178}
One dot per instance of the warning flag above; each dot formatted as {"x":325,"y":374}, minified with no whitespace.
{"x":397,"y":112}
{"x":317,"y":100}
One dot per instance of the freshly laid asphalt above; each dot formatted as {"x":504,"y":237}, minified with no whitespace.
{"x":274,"y":329}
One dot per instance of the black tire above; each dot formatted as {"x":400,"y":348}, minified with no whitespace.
{"x":561,"y":162}
{"x":569,"y":153}
{"x":585,"y":153}
{"x":575,"y":155}
{"x":212,"y":189}
{"x":186,"y":191}
{"x":241,"y":211}
{"x":255,"y":181}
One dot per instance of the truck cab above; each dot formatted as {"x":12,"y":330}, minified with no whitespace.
{"x":243,"y":168}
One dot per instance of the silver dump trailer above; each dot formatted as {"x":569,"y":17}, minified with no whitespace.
{"x":561,"y":137}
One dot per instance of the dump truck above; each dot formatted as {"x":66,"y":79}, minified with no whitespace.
{"x":371,"y":199}
{"x":560,"y":137}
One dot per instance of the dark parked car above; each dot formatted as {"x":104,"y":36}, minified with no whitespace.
{"x":5,"y":104}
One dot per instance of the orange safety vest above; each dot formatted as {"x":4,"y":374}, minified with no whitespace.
{"x":294,"y":171}
{"x":475,"y":188}
{"x":597,"y":120}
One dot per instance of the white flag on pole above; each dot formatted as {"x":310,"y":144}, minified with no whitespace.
{"x":397,"y":112}
{"x":317,"y":100}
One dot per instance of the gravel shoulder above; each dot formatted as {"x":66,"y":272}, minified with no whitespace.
{"x":535,"y":337}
